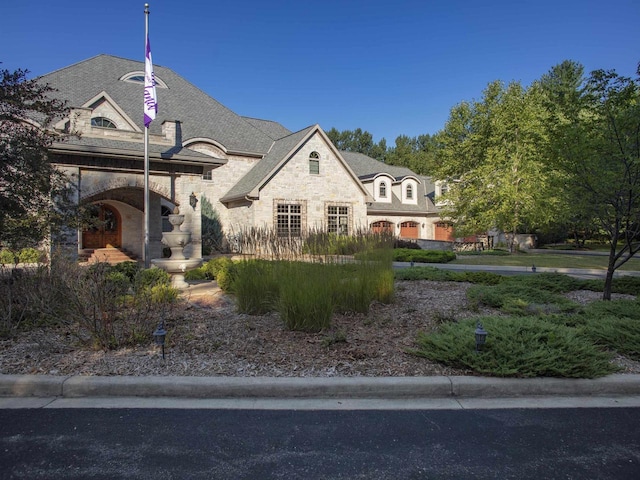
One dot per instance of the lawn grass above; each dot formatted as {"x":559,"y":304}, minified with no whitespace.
{"x":549,"y":260}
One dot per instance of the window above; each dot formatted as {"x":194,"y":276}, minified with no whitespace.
{"x":164,"y":213}
{"x":138,"y":77}
{"x":338,"y":220}
{"x":208,"y":174}
{"x":383,"y":190}
{"x":289,"y":220}
{"x":314,"y":163}
{"x":102,"y":122}
{"x":409,"y":192}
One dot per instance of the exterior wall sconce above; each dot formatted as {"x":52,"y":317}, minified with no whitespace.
{"x":193,"y":200}
{"x":481,"y":337}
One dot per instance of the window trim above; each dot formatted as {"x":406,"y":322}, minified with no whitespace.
{"x":314,"y":163}
{"x":111,"y":124}
{"x":288,"y":212}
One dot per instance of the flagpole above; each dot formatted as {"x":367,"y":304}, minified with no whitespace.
{"x":146,"y":157}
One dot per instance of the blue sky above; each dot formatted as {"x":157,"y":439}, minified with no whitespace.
{"x":390,"y":67}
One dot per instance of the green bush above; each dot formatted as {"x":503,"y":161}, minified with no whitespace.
{"x":149,"y":277}
{"x":422,"y":256}
{"x":621,"y":334}
{"x":196,"y":274}
{"x":129,"y":269}
{"x":30,"y":255}
{"x":550,"y":282}
{"x":516,"y":347}
{"x":213,"y":266}
{"x":226,"y":273}
{"x":519,"y":299}
{"x":439,"y":275}
{"x":7,"y":257}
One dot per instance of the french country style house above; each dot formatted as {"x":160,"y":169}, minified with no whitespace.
{"x":255,"y":173}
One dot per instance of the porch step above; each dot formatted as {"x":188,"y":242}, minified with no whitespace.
{"x":110,"y":255}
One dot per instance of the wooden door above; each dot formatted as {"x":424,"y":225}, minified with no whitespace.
{"x":107,"y":230}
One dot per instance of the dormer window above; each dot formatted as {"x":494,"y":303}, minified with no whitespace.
{"x":138,"y":77}
{"x":409,"y":192}
{"x":383,"y":190}
{"x":102,"y":122}
{"x":314,"y":163}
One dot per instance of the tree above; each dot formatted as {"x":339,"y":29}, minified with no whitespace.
{"x":358,"y":141}
{"x":599,"y":150}
{"x":34,"y":195}
{"x":491,"y":153}
{"x":416,"y":153}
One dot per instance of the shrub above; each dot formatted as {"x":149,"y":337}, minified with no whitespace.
{"x":226,"y":274}
{"x":129,"y":269}
{"x":30,"y":255}
{"x":439,"y":275}
{"x":149,"y":277}
{"x":517,"y":299}
{"x":196,"y":274}
{"x":213,"y":266}
{"x":423,"y":256}
{"x":621,"y":334}
{"x":516,"y":347}
{"x":406,"y":244}
{"x":7,"y":257}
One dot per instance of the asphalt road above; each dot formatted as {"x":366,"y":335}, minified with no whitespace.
{"x":580,"y":443}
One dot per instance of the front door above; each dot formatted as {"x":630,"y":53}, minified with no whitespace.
{"x":107,"y":229}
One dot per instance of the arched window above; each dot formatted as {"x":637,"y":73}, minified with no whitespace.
{"x":409,"y":192}
{"x":314,"y":163}
{"x":383,"y":190}
{"x":102,"y":122}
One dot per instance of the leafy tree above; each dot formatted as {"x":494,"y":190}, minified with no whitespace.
{"x":416,"y":153}
{"x":34,"y":195}
{"x":212,"y":235}
{"x":358,"y":141}
{"x":491,"y":153}
{"x":598,"y":149}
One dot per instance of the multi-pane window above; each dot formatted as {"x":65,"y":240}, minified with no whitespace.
{"x":289,"y":220}
{"x":314,"y":163}
{"x":383,"y":190}
{"x":102,"y":122}
{"x":338,"y":220}
{"x":208,"y":174}
{"x":409,"y":192}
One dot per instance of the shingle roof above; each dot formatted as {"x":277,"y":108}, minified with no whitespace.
{"x":200,"y":115}
{"x":271,"y":128}
{"x":264,"y":167}
{"x":365,"y":166}
{"x":107,"y":146}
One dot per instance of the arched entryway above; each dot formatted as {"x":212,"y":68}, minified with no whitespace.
{"x":107,"y":229}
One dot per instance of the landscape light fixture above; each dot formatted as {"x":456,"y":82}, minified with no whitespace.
{"x":193,"y":200}
{"x":160,"y":334}
{"x":481,"y":336}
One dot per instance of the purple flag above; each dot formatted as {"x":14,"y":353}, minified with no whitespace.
{"x":150,"y":98}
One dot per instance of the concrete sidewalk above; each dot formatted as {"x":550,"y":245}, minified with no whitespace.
{"x":313,"y":387}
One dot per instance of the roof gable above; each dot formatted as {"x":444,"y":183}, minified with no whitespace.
{"x":281,"y":152}
{"x":200,"y":115}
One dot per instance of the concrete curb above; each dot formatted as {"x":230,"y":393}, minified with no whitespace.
{"x":315,"y":387}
